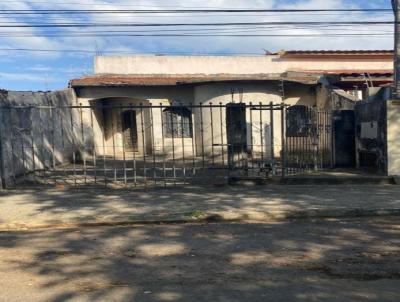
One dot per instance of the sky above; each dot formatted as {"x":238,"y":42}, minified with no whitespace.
{"x":70,"y":51}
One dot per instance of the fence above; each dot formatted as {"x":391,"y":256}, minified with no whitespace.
{"x":309,"y":140}
{"x":142,"y":145}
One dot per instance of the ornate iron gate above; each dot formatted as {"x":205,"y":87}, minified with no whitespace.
{"x":308,"y":144}
{"x":142,"y":145}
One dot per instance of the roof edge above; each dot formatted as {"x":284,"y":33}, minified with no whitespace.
{"x":175,"y":80}
{"x":335,"y":53}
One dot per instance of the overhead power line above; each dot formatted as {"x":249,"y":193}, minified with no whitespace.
{"x":178,"y":11}
{"x":254,"y":29}
{"x":85,"y":25}
{"x":217,"y":35}
{"x":116,"y":51}
{"x":125,"y":52}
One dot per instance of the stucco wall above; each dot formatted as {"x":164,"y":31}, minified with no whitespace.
{"x":258,"y":121}
{"x":126,"y":96}
{"x":226,"y":64}
{"x":212,"y":141}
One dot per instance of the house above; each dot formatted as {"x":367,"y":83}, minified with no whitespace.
{"x":192,"y":104}
{"x":141,"y":118}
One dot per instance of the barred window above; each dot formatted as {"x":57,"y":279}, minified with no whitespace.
{"x":299,"y":121}
{"x":177,"y":122}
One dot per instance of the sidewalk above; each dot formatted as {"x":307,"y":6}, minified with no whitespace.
{"x":45,"y":208}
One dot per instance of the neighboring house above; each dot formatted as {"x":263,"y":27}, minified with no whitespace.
{"x":185,"y":86}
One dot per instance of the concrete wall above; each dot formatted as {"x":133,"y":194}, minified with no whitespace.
{"x":393,"y":137}
{"x":26,"y":131}
{"x":227,"y":64}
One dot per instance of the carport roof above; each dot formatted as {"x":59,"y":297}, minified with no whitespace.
{"x":175,"y":80}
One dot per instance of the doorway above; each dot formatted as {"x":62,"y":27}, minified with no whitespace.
{"x":129,"y":130}
{"x":345,"y":138}
{"x":236,"y":135}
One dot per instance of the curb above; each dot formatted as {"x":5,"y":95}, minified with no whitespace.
{"x":233,"y":217}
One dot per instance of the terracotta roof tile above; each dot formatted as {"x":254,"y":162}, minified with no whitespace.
{"x":349,"y":72}
{"x":335,"y":53}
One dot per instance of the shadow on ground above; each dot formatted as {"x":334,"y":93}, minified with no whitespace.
{"x":54,"y":206}
{"x":293,"y":261}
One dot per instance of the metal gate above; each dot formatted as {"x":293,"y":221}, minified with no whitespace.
{"x":309,"y":135}
{"x":344,"y":126}
{"x":132,"y":145}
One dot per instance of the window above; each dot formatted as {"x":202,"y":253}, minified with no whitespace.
{"x":299,"y":121}
{"x":177,"y":122}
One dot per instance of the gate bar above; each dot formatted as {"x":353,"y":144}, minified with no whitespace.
{"x":143,"y":145}
{"x":134,"y":152}
{"x":113,"y":144}
{"x":83,"y":144}
{"x":94,"y":146}
{"x":103,"y":113}
{"x":212,"y":136}
{"x":261,"y":135}
{"x":222,"y":134}
{"x":123,"y":148}
{"x":32,"y":145}
{"x":3,"y":182}
{"x":183,"y":149}
{"x":153,"y":143}
{"x":73,"y":146}
{"x":283,"y":140}
{"x":53,"y":143}
{"x":251,"y":139}
{"x":173,"y":146}
{"x":193,"y":142}
{"x":12,"y":135}
{"x":163,"y":145}
{"x":202,"y":135}
{"x":62,"y":141}
{"x":271,"y":104}
{"x":42,"y":153}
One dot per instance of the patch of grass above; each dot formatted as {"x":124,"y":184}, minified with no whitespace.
{"x":196,"y":214}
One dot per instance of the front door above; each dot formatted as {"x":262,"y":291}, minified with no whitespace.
{"x":345,"y":138}
{"x":129,"y":130}
{"x":236,"y":135}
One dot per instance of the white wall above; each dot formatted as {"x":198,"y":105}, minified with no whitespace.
{"x":159,"y":65}
{"x":215,"y":140}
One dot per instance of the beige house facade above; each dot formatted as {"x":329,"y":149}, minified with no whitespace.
{"x":130,"y":100}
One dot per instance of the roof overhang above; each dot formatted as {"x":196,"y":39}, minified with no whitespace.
{"x":177,"y":80}
{"x":336,"y":54}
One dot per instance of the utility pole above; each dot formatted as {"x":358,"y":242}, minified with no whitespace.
{"x":396,"y":10}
